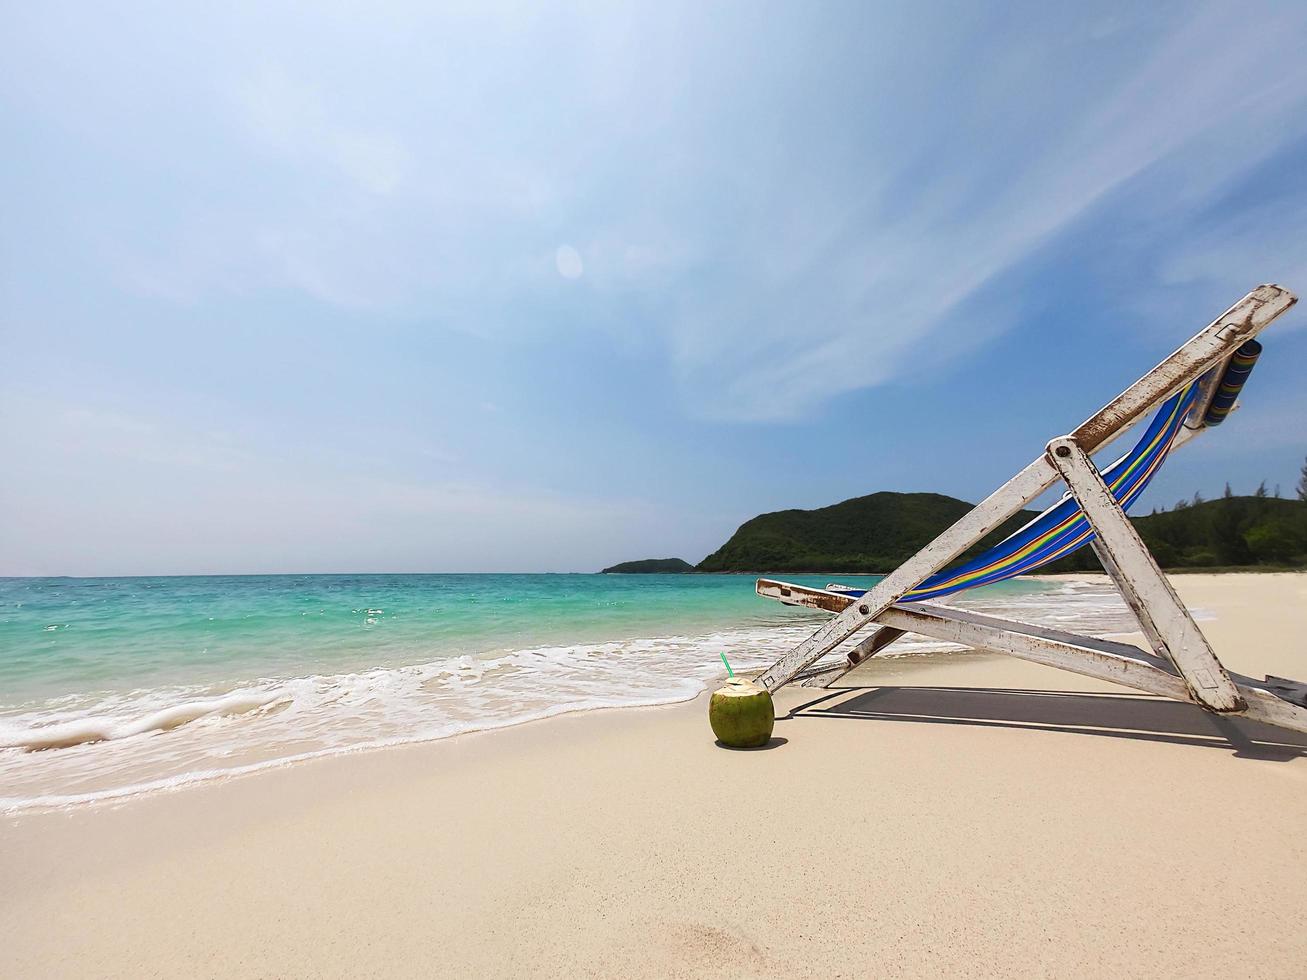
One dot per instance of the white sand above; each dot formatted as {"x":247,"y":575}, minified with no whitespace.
{"x":963,"y":819}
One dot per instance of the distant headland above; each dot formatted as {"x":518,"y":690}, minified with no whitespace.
{"x":651,"y":566}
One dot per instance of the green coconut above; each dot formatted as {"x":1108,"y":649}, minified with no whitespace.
{"x":741,"y":714}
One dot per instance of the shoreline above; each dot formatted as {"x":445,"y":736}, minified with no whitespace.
{"x":975,"y":814}
{"x":155,"y":739}
{"x":188,"y":781}
{"x":906,"y":663}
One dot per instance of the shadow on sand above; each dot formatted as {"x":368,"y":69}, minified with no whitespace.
{"x":775,"y":742}
{"x":1103,"y":715}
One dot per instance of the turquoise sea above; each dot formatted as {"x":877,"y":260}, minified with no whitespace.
{"x":110,"y":687}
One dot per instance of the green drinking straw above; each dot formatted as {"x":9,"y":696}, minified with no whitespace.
{"x":729,"y":672}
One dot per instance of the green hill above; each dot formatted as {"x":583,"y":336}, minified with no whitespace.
{"x":647,"y":566}
{"x":866,"y":534}
{"x":878,"y":532}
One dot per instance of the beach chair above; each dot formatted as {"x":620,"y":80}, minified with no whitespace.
{"x":1193,"y":390}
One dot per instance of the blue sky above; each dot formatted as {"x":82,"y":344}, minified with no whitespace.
{"x":434,"y":287}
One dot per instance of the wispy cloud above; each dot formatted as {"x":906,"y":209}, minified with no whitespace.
{"x":883,"y":282}
{"x":292,"y":117}
{"x":782,"y":252}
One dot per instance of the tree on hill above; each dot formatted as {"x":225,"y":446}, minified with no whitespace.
{"x":1302,"y":483}
{"x":1227,"y":534}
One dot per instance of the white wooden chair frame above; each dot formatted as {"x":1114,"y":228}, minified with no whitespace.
{"x":1182,"y":665}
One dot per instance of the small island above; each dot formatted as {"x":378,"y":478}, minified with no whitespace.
{"x":651,"y":566}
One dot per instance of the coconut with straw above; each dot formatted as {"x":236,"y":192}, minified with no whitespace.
{"x":741,"y":712}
